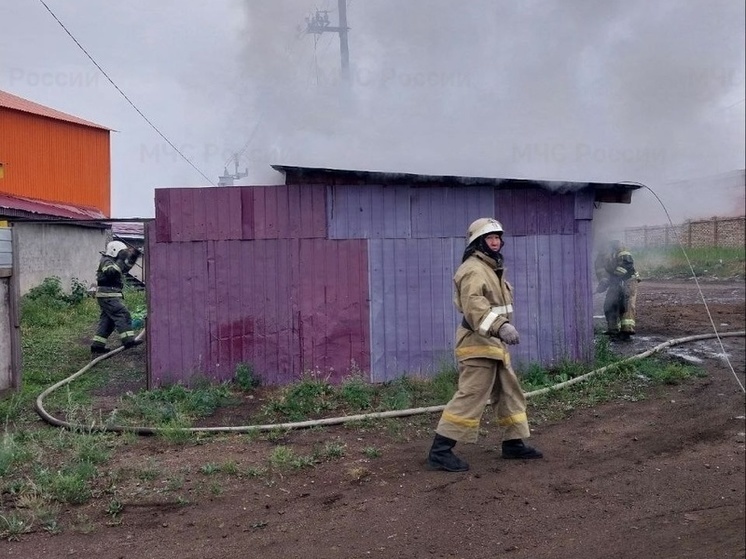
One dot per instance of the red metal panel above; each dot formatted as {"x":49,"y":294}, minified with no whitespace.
{"x":203,"y":223}
{"x":247,"y":213}
{"x":162,"y":215}
{"x":183,"y":229}
{"x":225,"y":213}
{"x":228,"y":213}
{"x":282,"y":305}
{"x":280,"y":212}
{"x":190,"y":214}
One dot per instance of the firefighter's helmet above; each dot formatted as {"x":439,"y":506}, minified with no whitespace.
{"x":114,"y":248}
{"x":483,"y":226}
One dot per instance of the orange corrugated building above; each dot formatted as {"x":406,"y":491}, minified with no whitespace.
{"x":53,"y":156}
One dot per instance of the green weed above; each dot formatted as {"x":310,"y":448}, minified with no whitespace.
{"x":371,"y":452}
{"x":245,"y":377}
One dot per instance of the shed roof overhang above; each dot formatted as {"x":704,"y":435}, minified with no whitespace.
{"x":609,"y":192}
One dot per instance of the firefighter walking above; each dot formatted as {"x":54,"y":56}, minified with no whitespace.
{"x":484,"y":297}
{"x":616,"y":274}
{"x":115,"y":262}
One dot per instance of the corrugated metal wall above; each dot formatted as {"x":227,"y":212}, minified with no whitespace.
{"x":55,"y":160}
{"x":417,"y":241}
{"x":284,"y":305}
{"x":293,"y":278}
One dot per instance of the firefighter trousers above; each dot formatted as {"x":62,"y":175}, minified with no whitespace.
{"x":620,"y":306}
{"x":481,"y":381}
{"x":114,"y":316}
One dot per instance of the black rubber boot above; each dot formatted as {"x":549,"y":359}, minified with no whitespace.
{"x":517,"y":449}
{"x":441,"y":457}
{"x":625,"y":336}
{"x":98,"y":349}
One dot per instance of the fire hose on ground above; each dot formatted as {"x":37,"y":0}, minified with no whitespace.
{"x":46,"y":416}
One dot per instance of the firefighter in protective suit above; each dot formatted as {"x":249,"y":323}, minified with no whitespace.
{"x":116,"y":261}
{"x":485,"y":299}
{"x":616,"y":274}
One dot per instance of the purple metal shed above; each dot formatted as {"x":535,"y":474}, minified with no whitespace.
{"x":340,"y":271}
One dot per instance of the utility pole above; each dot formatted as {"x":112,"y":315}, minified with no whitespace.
{"x":320,"y":23}
{"x":227,"y":180}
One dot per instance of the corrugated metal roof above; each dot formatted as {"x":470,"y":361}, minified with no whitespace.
{"x":20,"y":206}
{"x":129,"y":229}
{"x":296,"y":175}
{"x":10,"y":101}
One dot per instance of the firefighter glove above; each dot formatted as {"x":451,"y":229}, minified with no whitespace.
{"x":508,"y":334}
{"x":602,"y":286}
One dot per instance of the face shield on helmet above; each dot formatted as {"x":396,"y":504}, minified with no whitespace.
{"x":483,"y":226}
{"x":114,"y":248}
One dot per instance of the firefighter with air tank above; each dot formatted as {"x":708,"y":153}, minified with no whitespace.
{"x":616,"y":274}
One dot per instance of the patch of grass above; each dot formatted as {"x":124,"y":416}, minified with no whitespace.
{"x":230,"y":467}
{"x":371,"y":452}
{"x":209,"y":469}
{"x":707,"y":262}
{"x":284,"y":457}
{"x":173,"y":407}
{"x":627,"y":381}
{"x":245,"y":377}
{"x":13,"y":452}
{"x":174,"y":483}
{"x":332,"y":450}
{"x":114,"y":508}
{"x":309,"y":397}
{"x":662,"y":371}
{"x":69,"y":485}
{"x":356,"y":393}
{"x":13,"y":525}
{"x":255,"y":471}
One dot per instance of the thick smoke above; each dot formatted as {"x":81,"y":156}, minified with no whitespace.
{"x":612,"y":91}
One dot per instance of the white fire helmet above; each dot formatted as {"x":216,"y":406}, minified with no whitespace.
{"x":114,"y":248}
{"x":483,"y":226}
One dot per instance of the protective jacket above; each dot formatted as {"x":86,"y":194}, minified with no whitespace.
{"x":110,"y":273}
{"x":486,"y":301}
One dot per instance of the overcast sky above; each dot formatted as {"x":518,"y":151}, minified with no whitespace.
{"x":567,"y":90}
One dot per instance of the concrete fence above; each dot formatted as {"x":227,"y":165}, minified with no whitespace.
{"x":714,"y":232}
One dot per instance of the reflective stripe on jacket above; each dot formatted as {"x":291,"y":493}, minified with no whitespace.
{"x":486,"y":301}
{"x":110,"y":276}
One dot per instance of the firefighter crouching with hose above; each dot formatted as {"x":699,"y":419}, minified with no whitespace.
{"x":115,"y":262}
{"x":616,"y":274}
{"x":485,"y":298}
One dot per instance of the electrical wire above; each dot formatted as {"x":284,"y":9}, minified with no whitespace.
{"x":123,"y":94}
{"x":696,"y":281}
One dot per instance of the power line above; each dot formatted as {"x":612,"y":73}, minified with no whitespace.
{"x":153,"y":126}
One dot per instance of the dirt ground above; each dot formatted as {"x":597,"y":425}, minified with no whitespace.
{"x":661,"y":477}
